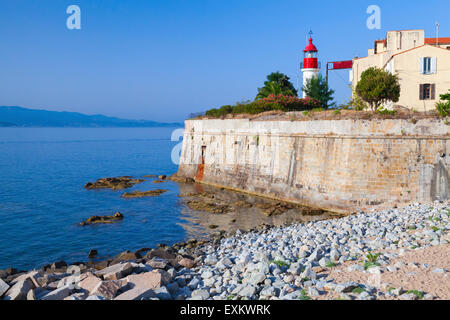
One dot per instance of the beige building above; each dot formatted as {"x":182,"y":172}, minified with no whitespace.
{"x":422,"y":64}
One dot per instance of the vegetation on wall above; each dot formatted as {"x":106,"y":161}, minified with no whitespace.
{"x":378,"y":87}
{"x":317,"y":88}
{"x":277,"y":84}
{"x":272,"y":102}
{"x":443,"y":106}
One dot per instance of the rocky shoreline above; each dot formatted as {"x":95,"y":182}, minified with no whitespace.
{"x":354,"y":257}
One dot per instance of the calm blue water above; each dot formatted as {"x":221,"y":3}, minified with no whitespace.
{"x":42,"y":199}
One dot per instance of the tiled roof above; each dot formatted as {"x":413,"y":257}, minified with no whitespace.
{"x":433,"y":40}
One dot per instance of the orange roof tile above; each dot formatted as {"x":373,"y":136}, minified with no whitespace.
{"x":441,"y":41}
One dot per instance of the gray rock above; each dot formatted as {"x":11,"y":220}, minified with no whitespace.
{"x":162,"y":293}
{"x":193,"y":284}
{"x":58,"y":294}
{"x":439,"y":270}
{"x":256,"y":278}
{"x":248,"y":291}
{"x":158,"y":263}
{"x":346,"y":287}
{"x":268,"y":292}
{"x":4,"y":287}
{"x":408,"y":296}
{"x":20,"y":290}
{"x":309,"y":274}
{"x":200,"y":295}
{"x":355,"y":267}
{"x":324,"y":262}
{"x":313,"y":292}
{"x":96,"y":298}
{"x":207,"y":274}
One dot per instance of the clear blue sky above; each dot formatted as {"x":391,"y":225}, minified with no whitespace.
{"x":162,"y":59}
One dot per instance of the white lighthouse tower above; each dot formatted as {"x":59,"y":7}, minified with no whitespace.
{"x":310,"y":65}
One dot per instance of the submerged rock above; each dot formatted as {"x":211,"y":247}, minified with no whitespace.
{"x":208,"y":206}
{"x":103,"y":219}
{"x":113,"y":183}
{"x":142,"y":194}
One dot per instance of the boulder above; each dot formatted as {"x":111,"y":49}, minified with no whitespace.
{"x":34,"y":276}
{"x":92,"y":254}
{"x":152,"y":280}
{"x":136,"y":293}
{"x":107,"y":289}
{"x":103,"y":219}
{"x":58,"y":294}
{"x":20,"y":290}
{"x":4,"y":287}
{"x":187,"y":263}
{"x":77,"y":296}
{"x":59,"y":265}
{"x":126,"y":256}
{"x":113,"y":183}
{"x":158,"y":263}
{"x":143,"y":194}
{"x":90,"y":283}
{"x":116,"y":271}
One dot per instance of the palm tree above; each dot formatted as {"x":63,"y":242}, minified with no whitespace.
{"x":277,"y":83}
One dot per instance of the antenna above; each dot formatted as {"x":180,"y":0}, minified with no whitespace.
{"x":437,"y":33}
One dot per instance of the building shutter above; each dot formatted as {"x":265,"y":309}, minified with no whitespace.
{"x":433,"y":65}
{"x":421,"y":65}
{"x":421,"y":92}
{"x":433,"y":91}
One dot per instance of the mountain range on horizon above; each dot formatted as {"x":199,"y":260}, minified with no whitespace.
{"x":23,"y":117}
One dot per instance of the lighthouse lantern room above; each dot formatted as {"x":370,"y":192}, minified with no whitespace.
{"x":310,"y":66}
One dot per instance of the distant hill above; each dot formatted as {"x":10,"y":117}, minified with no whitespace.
{"x":23,"y":117}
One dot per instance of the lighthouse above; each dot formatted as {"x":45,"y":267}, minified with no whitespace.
{"x":310,"y":65}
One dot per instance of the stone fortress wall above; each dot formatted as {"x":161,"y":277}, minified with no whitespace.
{"x":337,"y":165}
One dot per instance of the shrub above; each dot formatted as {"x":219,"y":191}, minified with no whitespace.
{"x":443,"y":107}
{"x":272,"y":102}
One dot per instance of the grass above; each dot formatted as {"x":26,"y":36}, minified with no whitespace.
{"x":358,"y":290}
{"x":231,"y":297}
{"x":372,"y":260}
{"x":304,"y":295}
{"x":435,"y":229}
{"x":368,"y":265}
{"x":281,"y":264}
{"x":372,"y":257}
{"x":331,"y":264}
{"x":418,"y":293}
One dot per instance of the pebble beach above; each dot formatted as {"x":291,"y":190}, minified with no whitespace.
{"x":395,"y":254}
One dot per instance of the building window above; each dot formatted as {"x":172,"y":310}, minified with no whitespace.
{"x":427,"y":65}
{"x":427,"y":91}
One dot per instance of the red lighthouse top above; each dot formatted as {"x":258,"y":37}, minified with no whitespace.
{"x":310,"y":47}
{"x":310,"y":55}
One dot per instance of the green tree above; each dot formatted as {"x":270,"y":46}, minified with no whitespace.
{"x":443,"y":107}
{"x":277,"y":83}
{"x":317,"y":88}
{"x":377,"y":87}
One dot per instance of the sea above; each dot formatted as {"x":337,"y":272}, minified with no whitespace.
{"x":42,"y":199}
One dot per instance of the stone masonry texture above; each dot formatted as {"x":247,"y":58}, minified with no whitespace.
{"x":342,"y":165}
